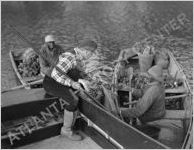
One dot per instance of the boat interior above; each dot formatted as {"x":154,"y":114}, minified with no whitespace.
{"x":172,"y":130}
{"x":17,"y":57}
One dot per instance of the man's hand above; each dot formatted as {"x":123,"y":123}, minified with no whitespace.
{"x":76,"y":86}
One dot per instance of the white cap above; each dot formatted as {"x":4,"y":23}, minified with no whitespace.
{"x":49,"y":38}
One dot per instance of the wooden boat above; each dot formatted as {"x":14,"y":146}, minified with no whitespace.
{"x":19,"y":105}
{"x":16,"y":57}
{"x":104,"y":122}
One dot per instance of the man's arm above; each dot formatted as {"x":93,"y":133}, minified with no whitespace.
{"x":61,"y":78}
{"x":66,"y":62}
{"x":44,"y":65}
{"x":142,"y":105}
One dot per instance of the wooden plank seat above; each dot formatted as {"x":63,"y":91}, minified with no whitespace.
{"x":176,"y":96}
{"x":176,"y":115}
{"x":171,"y":127}
{"x":180,"y":89}
{"x":22,"y":96}
{"x":172,"y":119}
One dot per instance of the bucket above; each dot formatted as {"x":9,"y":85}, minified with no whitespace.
{"x":145,"y":62}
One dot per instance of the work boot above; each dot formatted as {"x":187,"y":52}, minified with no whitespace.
{"x":68,"y":122}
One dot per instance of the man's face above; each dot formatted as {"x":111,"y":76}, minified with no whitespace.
{"x":80,"y":65}
{"x":51,"y":45}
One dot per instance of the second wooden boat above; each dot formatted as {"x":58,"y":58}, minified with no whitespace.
{"x":16,"y":57}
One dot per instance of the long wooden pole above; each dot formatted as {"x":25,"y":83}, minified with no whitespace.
{"x":130,"y":72}
{"x":22,"y":86}
{"x":114,"y":89}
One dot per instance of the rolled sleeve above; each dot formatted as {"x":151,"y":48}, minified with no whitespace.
{"x":60,"y":78}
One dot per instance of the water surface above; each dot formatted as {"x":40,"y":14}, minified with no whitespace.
{"x":114,"y":25}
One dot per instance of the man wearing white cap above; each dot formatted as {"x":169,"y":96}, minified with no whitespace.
{"x":51,"y":51}
{"x":152,"y":104}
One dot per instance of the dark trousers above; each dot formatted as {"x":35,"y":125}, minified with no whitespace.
{"x":54,"y":88}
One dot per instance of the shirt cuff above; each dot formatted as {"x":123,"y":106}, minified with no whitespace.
{"x":68,"y":82}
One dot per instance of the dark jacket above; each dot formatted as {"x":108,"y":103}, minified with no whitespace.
{"x":151,"y":106}
{"x":51,"y":55}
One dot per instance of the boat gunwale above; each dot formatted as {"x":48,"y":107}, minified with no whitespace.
{"x":129,"y":126}
{"x":125,"y":124}
{"x":190,"y":127}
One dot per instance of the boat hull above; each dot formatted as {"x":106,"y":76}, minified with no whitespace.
{"x":115,"y":128}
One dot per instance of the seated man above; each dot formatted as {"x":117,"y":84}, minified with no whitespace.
{"x":50,"y":50}
{"x":57,"y":84}
{"x":152,"y":104}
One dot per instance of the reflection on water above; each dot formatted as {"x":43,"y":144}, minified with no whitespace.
{"x":114,"y":25}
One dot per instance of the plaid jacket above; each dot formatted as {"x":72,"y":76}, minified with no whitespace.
{"x":66,"y":62}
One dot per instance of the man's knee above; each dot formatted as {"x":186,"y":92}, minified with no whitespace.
{"x":73,"y":104}
{"x":72,"y":101}
{"x":71,"y":108}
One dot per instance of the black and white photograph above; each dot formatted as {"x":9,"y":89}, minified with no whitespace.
{"x":97,"y":74}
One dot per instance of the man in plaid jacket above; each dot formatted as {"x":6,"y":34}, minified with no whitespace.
{"x":57,"y":84}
